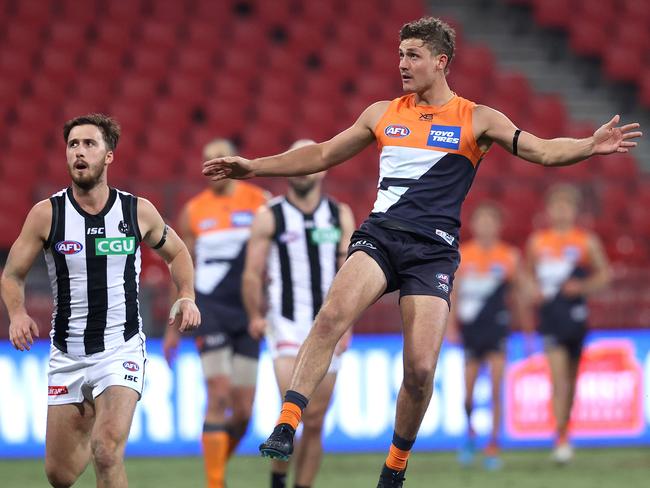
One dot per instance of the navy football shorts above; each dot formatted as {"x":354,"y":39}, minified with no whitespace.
{"x":412,"y":264}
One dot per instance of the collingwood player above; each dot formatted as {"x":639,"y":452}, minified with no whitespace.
{"x":300,"y":240}
{"x":91,"y":235}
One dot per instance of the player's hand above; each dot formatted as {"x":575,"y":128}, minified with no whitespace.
{"x":257,"y":327}
{"x":185,"y":315}
{"x":573,"y":288}
{"x":170,"y":345}
{"x":22,"y":331}
{"x":610,"y":139}
{"x":228,"y":167}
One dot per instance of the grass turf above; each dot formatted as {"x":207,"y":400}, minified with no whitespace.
{"x":592,"y":468}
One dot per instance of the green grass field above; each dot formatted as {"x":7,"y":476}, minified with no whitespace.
{"x":595,"y":468}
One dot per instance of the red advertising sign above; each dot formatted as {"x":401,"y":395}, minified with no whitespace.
{"x":609,"y":394}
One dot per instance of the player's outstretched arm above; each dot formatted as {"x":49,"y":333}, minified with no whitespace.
{"x":493,"y":126}
{"x":22,"y":329}
{"x":257,"y":251}
{"x":303,"y":160}
{"x":162,"y":238}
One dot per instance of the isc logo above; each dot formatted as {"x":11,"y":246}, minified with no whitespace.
{"x":130,"y":377}
{"x":114,"y":245}
{"x":397,"y":131}
{"x":68,"y":247}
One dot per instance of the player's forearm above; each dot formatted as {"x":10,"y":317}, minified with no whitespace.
{"x":302,"y":161}
{"x":12,"y":290}
{"x":252,"y":295}
{"x":182,"y":274}
{"x":564,"y":151}
{"x":596,"y":282}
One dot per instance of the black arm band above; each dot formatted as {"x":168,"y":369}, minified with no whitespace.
{"x":515,"y":138}
{"x":163,"y":239}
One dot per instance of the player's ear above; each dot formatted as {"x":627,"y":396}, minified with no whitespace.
{"x":442,"y":62}
{"x":109,"y":158}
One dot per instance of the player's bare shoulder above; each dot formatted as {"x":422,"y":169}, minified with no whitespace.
{"x":39,"y":220}
{"x":373,"y":114}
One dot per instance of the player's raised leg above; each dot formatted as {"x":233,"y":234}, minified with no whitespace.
{"x":67,"y":442}
{"x":358,"y":284}
{"x":424,"y":319}
{"x":110,"y":433}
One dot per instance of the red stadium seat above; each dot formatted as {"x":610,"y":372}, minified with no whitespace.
{"x":620,"y":63}
{"x":644,"y":88}
{"x":553,"y":13}
{"x":587,"y":38}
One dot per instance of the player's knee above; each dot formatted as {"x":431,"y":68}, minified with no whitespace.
{"x":418,"y":377}
{"x":329,"y":324}
{"x":106,"y":453}
{"x":59,"y":477}
{"x":218,"y":400}
{"x":313,"y":424}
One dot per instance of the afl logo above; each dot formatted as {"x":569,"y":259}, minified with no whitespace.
{"x":130,"y":366}
{"x":397,"y":131}
{"x":68,"y":247}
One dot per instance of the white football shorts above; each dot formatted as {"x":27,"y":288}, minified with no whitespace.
{"x":71,"y":379}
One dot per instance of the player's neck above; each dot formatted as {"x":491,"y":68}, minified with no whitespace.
{"x":437,"y":95}
{"x":93,"y":200}
{"x":306,"y":203}
{"x":563,"y":227}
{"x":486,"y":243}
{"x":225,"y":190}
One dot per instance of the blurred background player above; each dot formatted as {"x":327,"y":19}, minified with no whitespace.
{"x":565,"y":265}
{"x":300,"y":239}
{"x":481,"y":303}
{"x":91,"y":236}
{"x":215,"y":226}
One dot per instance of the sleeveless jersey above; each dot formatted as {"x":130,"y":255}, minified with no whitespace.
{"x":94,"y":266}
{"x":559,"y":257}
{"x":303,"y":259}
{"x":484,"y":278}
{"x":221,"y":227}
{"x":427,"y":164}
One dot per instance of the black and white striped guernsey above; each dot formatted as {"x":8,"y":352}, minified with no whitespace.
{"x":94,"y":266}
{"x":303,"y":259}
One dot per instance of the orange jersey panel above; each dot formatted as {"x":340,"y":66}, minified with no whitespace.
{"x":501,"y":257}
{"x":447,"y":128}
{"x":572,"y":245}
{"x":209,"y":212}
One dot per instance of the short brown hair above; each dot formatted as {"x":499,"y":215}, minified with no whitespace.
{"x":108,"y":126}
{"x":437,"y":35}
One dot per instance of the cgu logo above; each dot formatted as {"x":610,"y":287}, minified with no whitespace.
{"x":114,"y":245}
{"x":397,"y":131}
{"x":68,"y":247}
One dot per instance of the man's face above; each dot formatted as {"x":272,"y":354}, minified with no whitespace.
{"x":562,"y":210}
{"x":213,"y":150}
{"x":418,"y":66}
{"x":87,"y":155}
{"x":486,"y":223}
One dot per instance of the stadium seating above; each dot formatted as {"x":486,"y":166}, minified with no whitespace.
{"x":176,"y":74}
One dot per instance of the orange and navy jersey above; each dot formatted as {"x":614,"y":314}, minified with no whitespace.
{"x":558,"y":257}
{"x":220,"y":225}
{"x":483,"y":279}
{"x":428,"y":160}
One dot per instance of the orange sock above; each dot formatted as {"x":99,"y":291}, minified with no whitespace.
{"x":290,"y":414}
{"x":215,"y":454}
{"x":397,"y":458}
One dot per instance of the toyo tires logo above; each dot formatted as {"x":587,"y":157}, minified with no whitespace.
{"x":114,"y":245}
